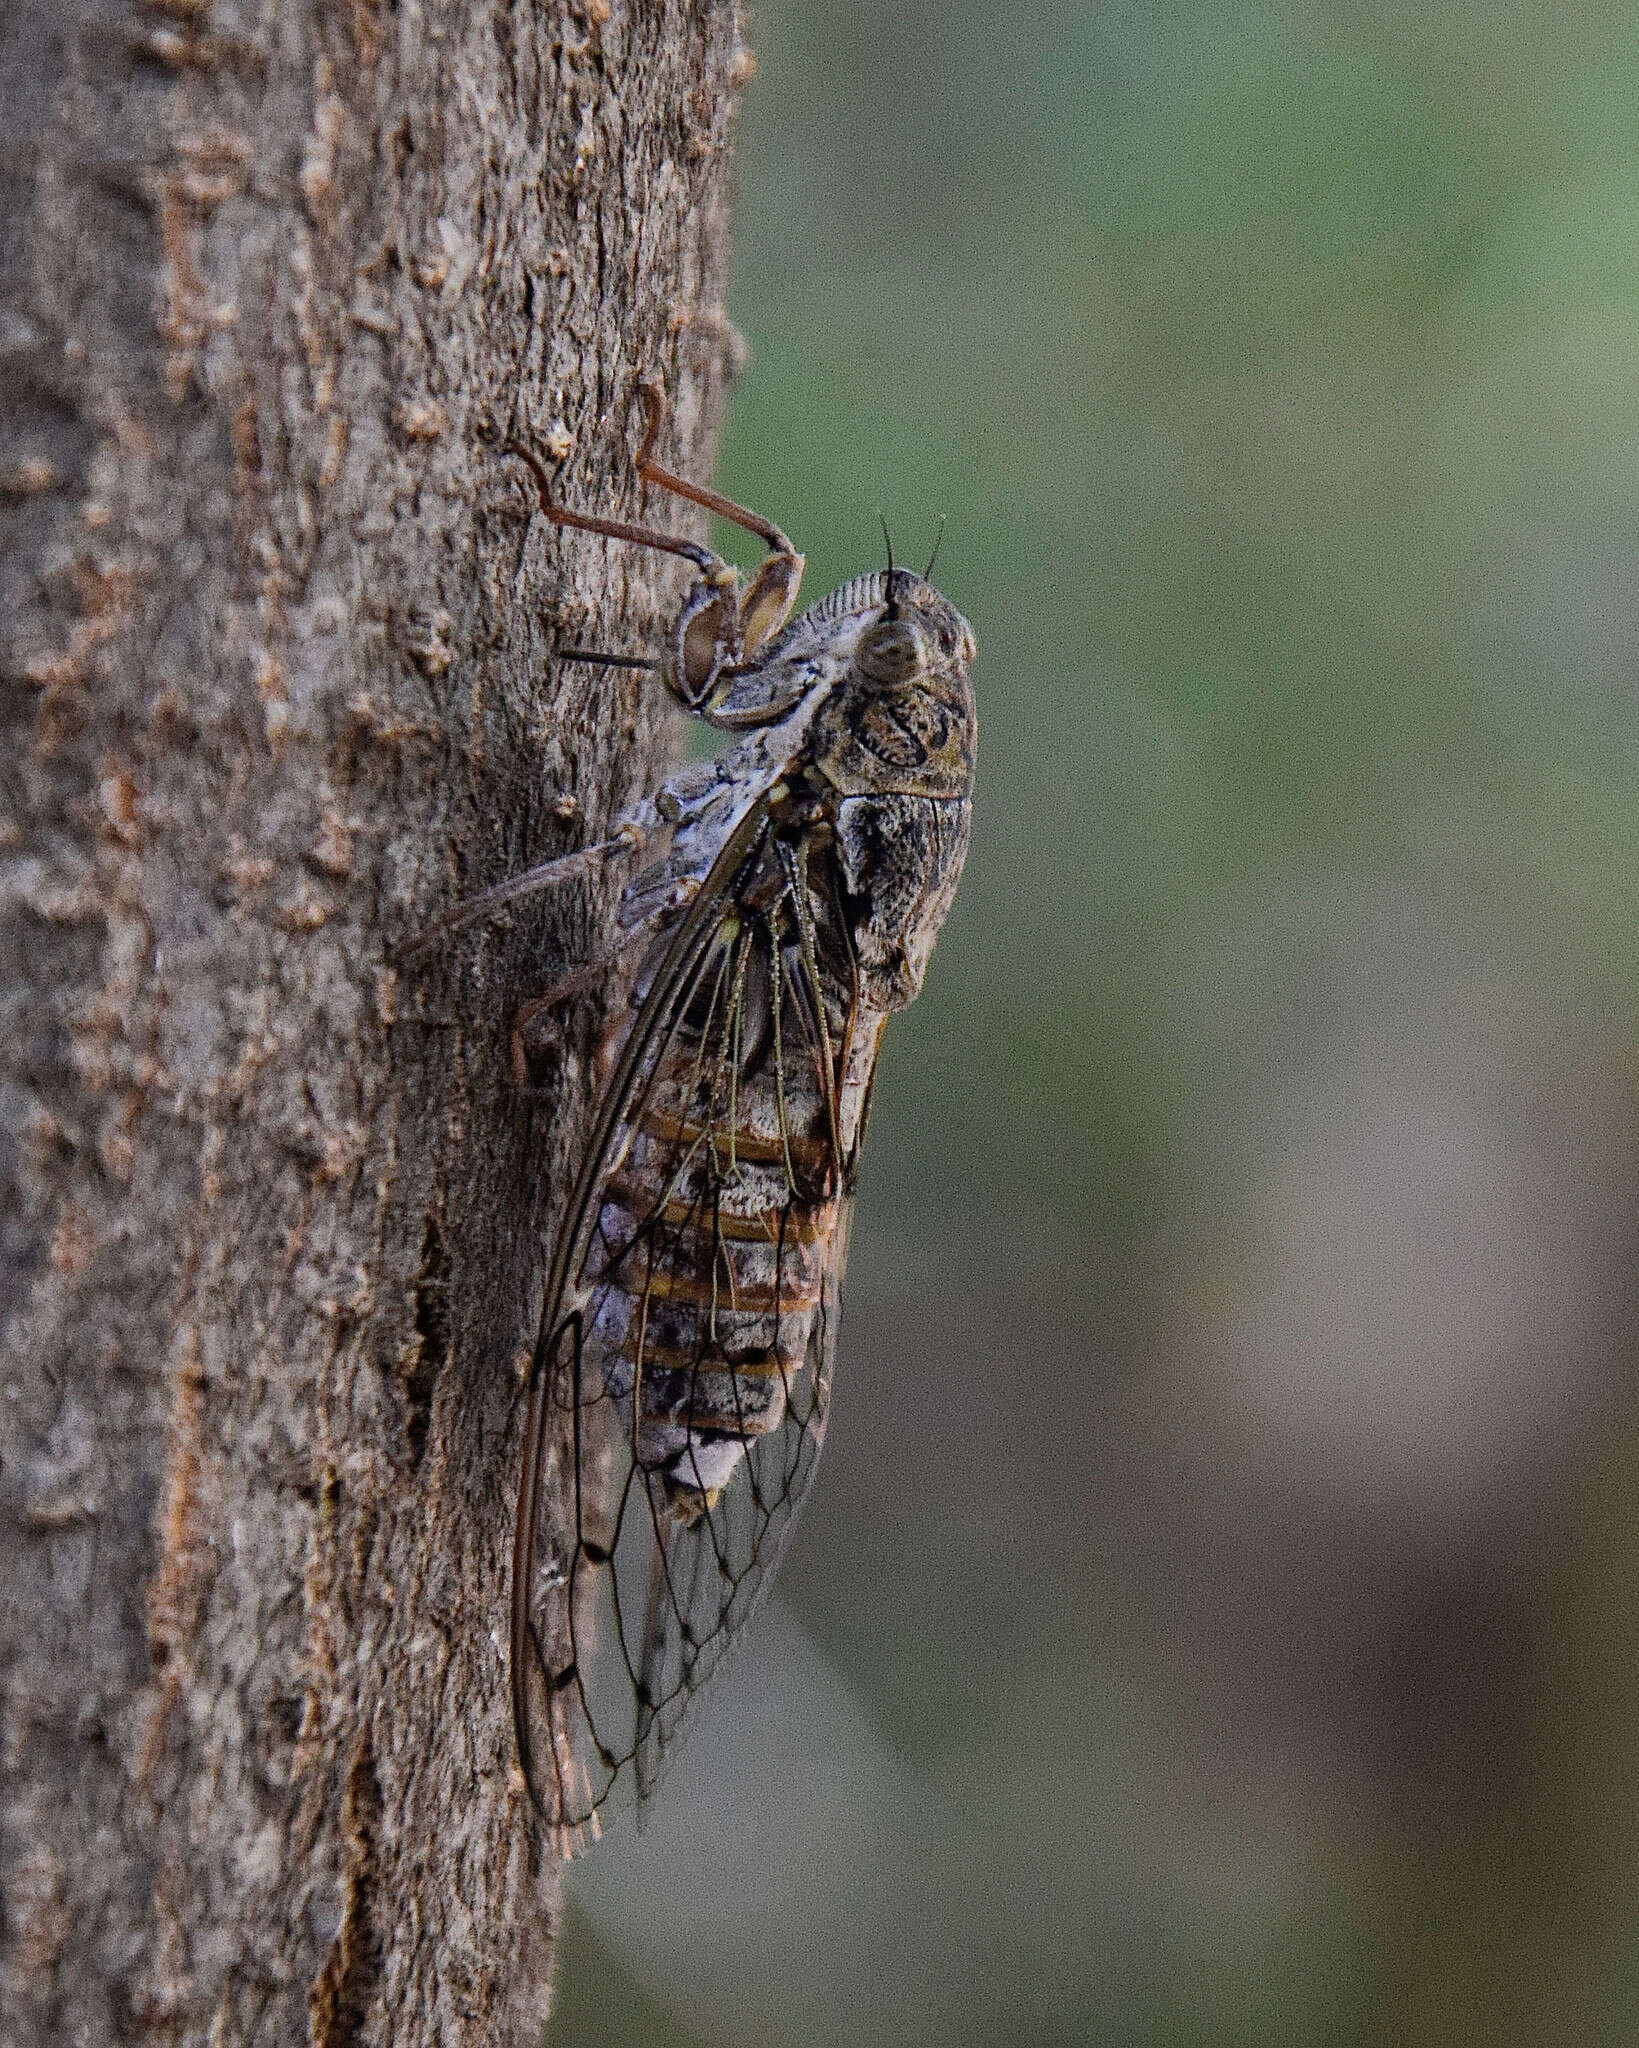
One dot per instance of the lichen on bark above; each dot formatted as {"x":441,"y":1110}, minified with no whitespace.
{"x":279,"y":687}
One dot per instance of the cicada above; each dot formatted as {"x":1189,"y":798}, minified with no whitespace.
{"x":787,"y":902}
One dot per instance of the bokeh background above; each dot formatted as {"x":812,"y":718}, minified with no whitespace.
{"x":1218,"y":1621}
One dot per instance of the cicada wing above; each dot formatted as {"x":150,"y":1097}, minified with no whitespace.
{"x":708,"y":1577}
{"x":624,"y":1606}
{"x":563,"y":1573}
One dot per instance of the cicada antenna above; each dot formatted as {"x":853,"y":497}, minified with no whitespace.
{"x":891,"y":610}
{"x":927,"y":573}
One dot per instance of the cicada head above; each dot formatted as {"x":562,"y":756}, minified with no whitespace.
{"x":901,"y":720}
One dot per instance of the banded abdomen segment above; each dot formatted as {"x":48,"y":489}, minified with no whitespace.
{"x":706,"y":1270}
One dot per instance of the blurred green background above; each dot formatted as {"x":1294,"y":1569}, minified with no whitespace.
{"x":1217,"y":1621}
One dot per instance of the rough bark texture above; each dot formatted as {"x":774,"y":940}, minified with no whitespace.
{"x":277,"y":684}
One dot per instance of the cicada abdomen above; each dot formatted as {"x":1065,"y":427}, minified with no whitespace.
{"x":716,"y":1219}
{"x":681,"y":1382}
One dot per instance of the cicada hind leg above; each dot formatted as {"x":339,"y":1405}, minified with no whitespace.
{"x":629,"y":835}
{"x":720,"y":626}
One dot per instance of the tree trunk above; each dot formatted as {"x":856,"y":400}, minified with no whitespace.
{"x":277,"y":282}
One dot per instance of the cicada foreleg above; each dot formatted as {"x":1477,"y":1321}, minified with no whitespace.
{"x":719,"y":627}
{"x":707,"y":636}
{"x":766,"y":604}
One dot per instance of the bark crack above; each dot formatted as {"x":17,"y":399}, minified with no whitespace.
{"x":339,"y":2002}
{"x":431,"y":1345}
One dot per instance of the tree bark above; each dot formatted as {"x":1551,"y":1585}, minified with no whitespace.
{"x":278,"y":686}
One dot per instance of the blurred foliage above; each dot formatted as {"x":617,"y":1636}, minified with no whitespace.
{"x":1278,"y":369}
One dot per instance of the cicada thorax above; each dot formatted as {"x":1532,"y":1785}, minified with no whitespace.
{"x":707,"y":1264}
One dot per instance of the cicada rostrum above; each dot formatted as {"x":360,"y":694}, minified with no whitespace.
{"x":788,"y":900}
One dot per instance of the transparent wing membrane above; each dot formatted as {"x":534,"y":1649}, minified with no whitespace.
{"x":684,"y":1365}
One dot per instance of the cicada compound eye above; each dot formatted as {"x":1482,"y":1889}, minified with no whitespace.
{"x":892,"y":651}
